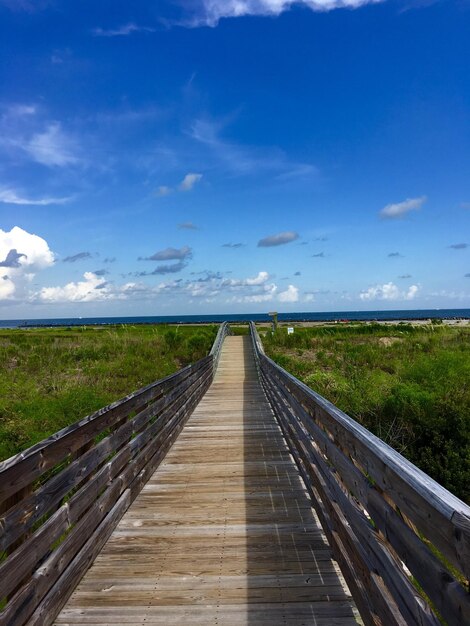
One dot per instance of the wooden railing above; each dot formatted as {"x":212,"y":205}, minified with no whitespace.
{"x":402,"y":541}
{"x":61,"y":499}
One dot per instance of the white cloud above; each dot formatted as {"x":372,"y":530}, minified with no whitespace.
{"x":52,"y":147}
{"x":93,"y":288}
{"x":291,"y":294}
{"x":122,"y":31}
{"x":262,"y":278}
{"x":10,"y":196}
{"x":388,"y":291}
{"x":209,"y":12}
{"x":189,"y":181}
{"x":22,"y":254}
{"x":164,"y":190}
{"x":399,"y":209}
{"x":187,"y":184}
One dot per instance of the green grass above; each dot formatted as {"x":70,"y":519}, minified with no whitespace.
{"x":50,"y":378}
{"x":410,"y":385}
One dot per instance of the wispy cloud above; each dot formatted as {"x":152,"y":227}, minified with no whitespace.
{"x":80,"y":256}
{"x":278,"y":240}
{"x":10,"y":196}
{"x":400,"y":209}
{"x":169,"y":254}
{"x":405,"y":276}
{"x":233,"y":245}
{"x":459,"y":246}
{"x":52,"y":147}
{"x":318,"y":255}
{"x":122,"y":31}
{"x":187,"y":184}
{"x":243,"y":160}
{"x":392,"y":255}
{"x":188,"y":226}
{"x":210,"y":12}
{"x":189,"y":181}
{"x":389,"y":291}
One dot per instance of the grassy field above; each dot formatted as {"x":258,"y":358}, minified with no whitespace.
{"x":50,"y":378}
{"x":410,"y":385}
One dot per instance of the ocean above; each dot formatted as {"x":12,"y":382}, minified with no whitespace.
{"x":244,"y":317}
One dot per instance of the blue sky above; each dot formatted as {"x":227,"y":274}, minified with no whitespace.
{"x":161,"y":157}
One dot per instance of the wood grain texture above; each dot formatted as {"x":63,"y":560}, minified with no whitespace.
{"x":224,"y":531}
{"x":378,"y":504}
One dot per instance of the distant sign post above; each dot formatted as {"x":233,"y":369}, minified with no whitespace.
{"x":290,"y":330}
{"x":273,"y":314}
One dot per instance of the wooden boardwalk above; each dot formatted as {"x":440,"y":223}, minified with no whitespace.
{"x":223,"y":532}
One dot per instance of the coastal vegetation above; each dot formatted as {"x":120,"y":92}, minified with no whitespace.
{"x":50,"y":378}
{"x":408,"y":384}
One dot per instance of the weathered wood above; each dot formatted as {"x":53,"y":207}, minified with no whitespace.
{"x":429,"y":506}
{"x":385,"y":608}
{"x":449,"y":597}
{"x":224,"y":525}
{"x":54,"y":552}
{"x":336,"y":452}
{"x":23,"y":561}
{"x":23,"y":468}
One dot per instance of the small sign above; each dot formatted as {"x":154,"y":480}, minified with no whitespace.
{"x":290,"y":330}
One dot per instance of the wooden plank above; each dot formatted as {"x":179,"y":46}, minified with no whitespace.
{"x":23,"y":468}
{"x":448,"y":595}
{"x":223,"y":531}
{"x":440,"y":516}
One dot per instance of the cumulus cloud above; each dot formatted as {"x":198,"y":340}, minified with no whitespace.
{"x":278,"y":240}
{"x":170,"y":254}
{"x":291,"y":294}
{"x":389,"y":291}
{"x":22,"y":255}
{"x":188,"y":226}
{"x":459,"y":246}
{"x":209,"y":12}
{"x":91,"y":289}
{"x":399,"y":209}
{"x":122,"y":31}
{"x":10,"y":196}
{"x":80,"y":256}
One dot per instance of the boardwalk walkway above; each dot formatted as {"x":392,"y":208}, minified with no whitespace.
{"x":223,"y":533}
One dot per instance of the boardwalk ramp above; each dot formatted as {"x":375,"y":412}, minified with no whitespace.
{"x":224,"y":531}
{"x":228,"y":493}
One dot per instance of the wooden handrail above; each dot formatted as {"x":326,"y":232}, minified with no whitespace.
{"x":390,"y":525}
{"x":61,"y":498}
